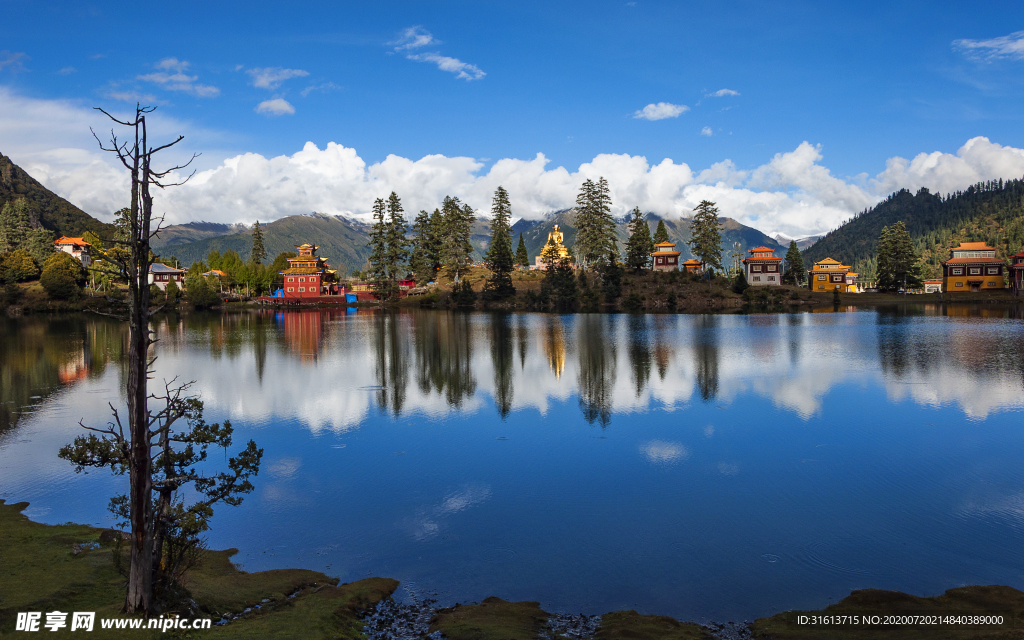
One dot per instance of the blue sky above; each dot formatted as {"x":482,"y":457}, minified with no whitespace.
{"x":739,"y":89}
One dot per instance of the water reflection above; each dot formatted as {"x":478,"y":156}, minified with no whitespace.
{"x":597,"y":357}
{"x":444,"y":355}
{"x":501,"y":362}
{"x":705,"y":355}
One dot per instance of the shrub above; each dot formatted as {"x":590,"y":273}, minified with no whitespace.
{"x":201,"y":295}
{"x":63,"y":276}
{"x":740,"y":284}
{"x":18,"y":266}
{"x":463,"y":294}
{"x":172,"y":292}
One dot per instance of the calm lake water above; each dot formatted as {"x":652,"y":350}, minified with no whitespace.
{"x":703,"y":467}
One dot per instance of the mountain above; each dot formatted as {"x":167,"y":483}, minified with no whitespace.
{"x":535,"y":233}
{"x":990,"y":212}
{"x":191,"y":232}
{"x":341,"y":240}
{"x":801,"y":243}
{"x":50,"y":210}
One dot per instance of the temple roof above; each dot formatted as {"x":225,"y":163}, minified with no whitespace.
{"x":665,"y":244}
{"x":759,"y":249}
{"x":973,"y":246}
{"x":159,"y":267}
{"x":762,"y":259}
{"x":973,"y":261}
{"x":692,"y":261}
{"x":301,"y":271}
{"x":68,"y":240}
{"x":827,"y":261}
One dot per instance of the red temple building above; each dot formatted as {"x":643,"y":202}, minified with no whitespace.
{"x":763,"y":267}
{"x":665,"y":257}
{"x":1017,"y":273}
{"x":308,"y":275}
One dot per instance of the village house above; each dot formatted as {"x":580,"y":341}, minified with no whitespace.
{"x":933,"y":286}
{"x":1017,"y":273}
{"x":973,"y":266}
{"x":665,"y":257}
{"x":693,"y":266}
{"x":831,"y":275}
{"x":76,"y":247}
{"x":762,"y":267}
{"x":308,"y":275}
{"x":160,"y":274}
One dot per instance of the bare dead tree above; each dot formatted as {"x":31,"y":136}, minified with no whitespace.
{"x":136,"y":155}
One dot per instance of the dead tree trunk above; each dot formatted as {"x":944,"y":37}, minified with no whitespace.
{"x":136,"y":157}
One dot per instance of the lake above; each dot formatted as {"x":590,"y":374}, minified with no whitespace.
{"x":707,"y":467}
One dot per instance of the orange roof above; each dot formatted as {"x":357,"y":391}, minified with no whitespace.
{"x":760,"y":249}
{"x":215,"y":272}
{"x":973,"y":261}
{"x":973,"y":246}
{"x":692,"y":261}
{"x":827,"y":261}
{"x":665,"y":244}
{"x":665,"y":253}
{"x":67,"y":240}
{"x":762,"y":259}
{"x":1018,"y":255}
{"x":933,"y":281}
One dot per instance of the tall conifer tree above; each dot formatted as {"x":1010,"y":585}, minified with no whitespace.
{"x":639,"y":246}
{"x":259,"y":252}
{"x":706,"y":235}
{"x":499,"y":254}
{"x":378,"y":272}
{"x":456,"y":249}
{"x":661,"y":233}
{"x":595,"y":227}
{"x":424,"y":255}
{"x":899,"y":266}
{"x":522,"y":257}
{"x":795,"y":270}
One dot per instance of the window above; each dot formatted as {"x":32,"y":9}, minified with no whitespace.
{"x":757,"y":278}
{"x":975,"y":271}
{"x":956,"y":272}
{"x":290,"y":279}
{"x":821,"y":286}
{"x":959,"y":284}
{"x":771,"y":278}
{"x":291,"y":288}
{"x":771,"y":268}
{"x":822,"y":277}
{"x":302,"y":288}
{"x":993,"y":271}
{"x":756,"y":267}
{"x":993,"y":284}
{"x":660,"y":260}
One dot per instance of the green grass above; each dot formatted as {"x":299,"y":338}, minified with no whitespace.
{"x":492,"y":619}
{"x":39,"y":572}
{"x":630,"y":625}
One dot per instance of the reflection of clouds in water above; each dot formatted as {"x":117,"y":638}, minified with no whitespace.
{"x":429,"y":522}
{"x":709,"y":431}
{"x":728,"y":468}
{"x":661,"y":452}
{"x":284,"y":468}
{"x":1005,"y":507}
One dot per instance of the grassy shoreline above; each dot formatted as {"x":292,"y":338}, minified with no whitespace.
{"x":69,"y":567}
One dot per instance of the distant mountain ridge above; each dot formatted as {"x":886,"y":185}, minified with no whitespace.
{"x":54,"y":213}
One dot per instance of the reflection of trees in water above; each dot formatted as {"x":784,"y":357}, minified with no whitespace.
{"x":639,"y":350}
{"x":663,"y":350}
{"x":795,"y":322}
{"x":705,"y":352}
{"x":597,"y":366}
{"x":443,"y":352}
{"x":522,"y":332}
{"x":391,"y":356}
{"x":39,"y":355}
{"x":893,"y":347}
{"x":501,"y":360}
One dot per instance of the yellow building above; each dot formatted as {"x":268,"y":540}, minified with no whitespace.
{"x":973,"y":266}
{"x":829,"y":275}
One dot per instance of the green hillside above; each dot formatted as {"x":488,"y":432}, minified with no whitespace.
{"x":54,"y":213}
{"x":192,"y":232}
{"x":991,"y":212}
{"x":340,"y":240}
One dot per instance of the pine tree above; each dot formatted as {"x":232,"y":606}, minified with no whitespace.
{"x":398,"y":244}
{"x":899,"y":266}
{"x":456,"y":249}
{"x":706,"y":236}
{"x":522,"y":257}
{"x":499,"y":253}
{"x":795,"y":271}
{"x":15,"y":225}
{"x":595,"y":227}
{"x":259,"y":252}
{"x":435,"y":239}
{"x":639,"y":246}
{"x":423,"y":257}
{"x":661,"y":233}
{"x":378,"y":272}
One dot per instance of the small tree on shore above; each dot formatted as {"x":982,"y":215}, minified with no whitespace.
{"x":63,"y":276}
{"x":499,"y":253}
{"x":795,"y":270}
{"x":522,"y":257}
{"x":639,"y":246}
{"x":259,"y":252}
{"x":661,"y":233}
{"x":706,"y":235}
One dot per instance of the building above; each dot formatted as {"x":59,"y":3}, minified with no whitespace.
{"x":553,"y":250}
{"x":76,"y":247}
{"x":693,"y":266}
{"x":762,"y":267}
{"x":1017,"y":274}
{"x":852,"y":286}
{"x":308,"y":275}
{"x":933,"y":286}
{"x":665,"y":257}
{"x":829,"y":275}
{"x":160,"y":274}
{"x":973,"y":266}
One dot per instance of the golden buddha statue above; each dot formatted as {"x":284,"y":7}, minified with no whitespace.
{"x":553,"y":248}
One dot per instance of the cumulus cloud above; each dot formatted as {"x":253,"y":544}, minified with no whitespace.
{"x":722,"y":92}
{"x":1011,"y":46}
{"x":272,"y":77}
{"x":275,"y":107}
{"x":706,"y":131}
{"x":173,"y":77}
{"x":462,"y":70}
{"x":413,"y":38}
{"x":660,"y":111}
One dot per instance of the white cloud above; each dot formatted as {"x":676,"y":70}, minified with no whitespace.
{"x":413,"y":38}
{"x":661,"y":452}
{"x":272,"y":77}
{"x":12,"y":61}
{"x":325,"y":87}
{"x":462,"y":70}
{"x":173,"y":77}
{"x":660,"y":111}
{"x":66,"y":71}
{"x":132,"y":97}
{"x":722,"y":92}
{"x":275,"y":107}
{"x":706,"y":131}
{"x":1011,"y":46}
